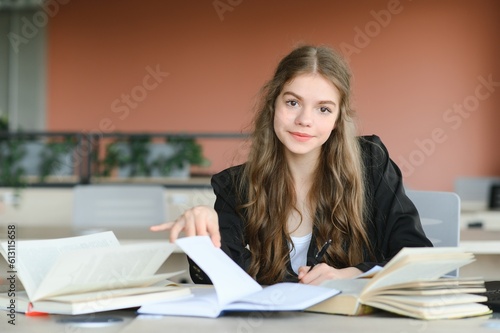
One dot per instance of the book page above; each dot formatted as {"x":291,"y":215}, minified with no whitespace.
{"x":442,"y":311}
{"x":231,"y":282}
{"x":417,"y":264}
{"x":370,"y":273}
{"x":442,"y":283}
{"x":419,"y":253}
{"x":347,"y":286}
{"x":285,"y":296}
{"x":105,"y":268}
{"x":415,"y":271}
{"x":429,"y":292}
{"x":202,"y":303}
{"x":113,"y":293}
{"x":36,"y":257}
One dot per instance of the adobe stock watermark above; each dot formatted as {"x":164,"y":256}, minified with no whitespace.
{"x":122,"y":107}
{"x":127,"y":102}
{"x":254,"y":321}
{"x":453,"y":117}
{"x":223,"y":6}
{"x":31,"y":27}
{"x":373,"y":28}
{"x":11,"y":274}
{"x":137,"y":94}
{"x":199,"y":197}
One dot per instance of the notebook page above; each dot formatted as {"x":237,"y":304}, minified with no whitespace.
{"x":286,"y":296}
{"x":201,"y":303}
{"x":231,"y":282}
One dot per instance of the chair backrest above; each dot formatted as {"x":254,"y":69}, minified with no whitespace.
{"x":118,"y":206}
{"x":440,"y":216}
{"x":474,"y":192}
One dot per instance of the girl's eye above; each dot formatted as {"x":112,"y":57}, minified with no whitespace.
{"x":292,"y":102}
{"x":324,"y":109}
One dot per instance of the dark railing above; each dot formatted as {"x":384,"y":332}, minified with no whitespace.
{"x":69,"y":158}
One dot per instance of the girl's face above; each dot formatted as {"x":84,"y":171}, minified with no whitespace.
{"x":305,"y":114}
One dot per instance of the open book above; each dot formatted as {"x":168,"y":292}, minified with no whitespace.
{"x":233,"y":289}
{"x":411,"y":284}
{"x":85,"y":274}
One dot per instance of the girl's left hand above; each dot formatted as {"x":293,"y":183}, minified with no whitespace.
{"x":323,"y":272}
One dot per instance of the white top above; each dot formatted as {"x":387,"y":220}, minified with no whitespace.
{"x":298,"y":255}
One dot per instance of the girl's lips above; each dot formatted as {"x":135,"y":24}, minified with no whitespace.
{"x":302,"y":137}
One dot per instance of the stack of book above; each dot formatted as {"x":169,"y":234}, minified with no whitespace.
{"x":412,"y":284}
{"x":84,"y":274}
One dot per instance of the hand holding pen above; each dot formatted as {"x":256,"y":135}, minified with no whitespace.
{"x":320,"y":254}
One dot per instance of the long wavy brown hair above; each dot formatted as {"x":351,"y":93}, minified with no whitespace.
{"x":337,"y":195}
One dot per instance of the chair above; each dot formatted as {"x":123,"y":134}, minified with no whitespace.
{"x":440,"y":216}
{"x":118,"y":206}
{"x":474,"y":192}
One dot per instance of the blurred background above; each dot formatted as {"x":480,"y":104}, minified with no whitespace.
{"x":100,"y":100}
{"x":426,"y":73}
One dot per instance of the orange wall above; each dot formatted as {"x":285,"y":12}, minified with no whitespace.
{"x":416,"y":63}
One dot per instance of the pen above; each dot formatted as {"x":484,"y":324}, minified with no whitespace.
{"x":320,"y":254}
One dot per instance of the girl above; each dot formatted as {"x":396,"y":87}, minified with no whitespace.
{"x":308,"y":179}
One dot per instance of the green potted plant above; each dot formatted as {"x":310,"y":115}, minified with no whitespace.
{"x":11,"y":153}
{"x":134,"y":162}
{"x":55,"y":158}
{"x":138,"y":156}
{"x":178,"y":155}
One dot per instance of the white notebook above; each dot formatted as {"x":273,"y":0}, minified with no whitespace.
{"x":233,"y":289}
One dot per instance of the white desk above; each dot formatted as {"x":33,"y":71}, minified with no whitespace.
{"x":484,"y":244}
{"x":488,"y":219}
{"x":486,"y":247}
{"x":262,"y":322}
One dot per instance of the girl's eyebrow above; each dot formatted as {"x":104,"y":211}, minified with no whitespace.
{"x":300,"y":98}
{"x":293,"y":94}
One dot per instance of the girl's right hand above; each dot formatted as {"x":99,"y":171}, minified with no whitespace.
{"x":197,"y":221}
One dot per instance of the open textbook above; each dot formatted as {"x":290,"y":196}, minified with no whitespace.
{"x":233,"y":289}
{"x":411,"y":284}
{"x":85,"y":274}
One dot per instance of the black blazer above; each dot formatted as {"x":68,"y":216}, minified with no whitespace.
{"x":394,"y":221}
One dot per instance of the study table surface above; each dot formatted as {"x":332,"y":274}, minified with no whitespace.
{"x":261,"y":322}
{"x":485,"y":244}
{"x":288,"y":322}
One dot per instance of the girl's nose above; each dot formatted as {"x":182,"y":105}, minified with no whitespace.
{"x":304,"y":117}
